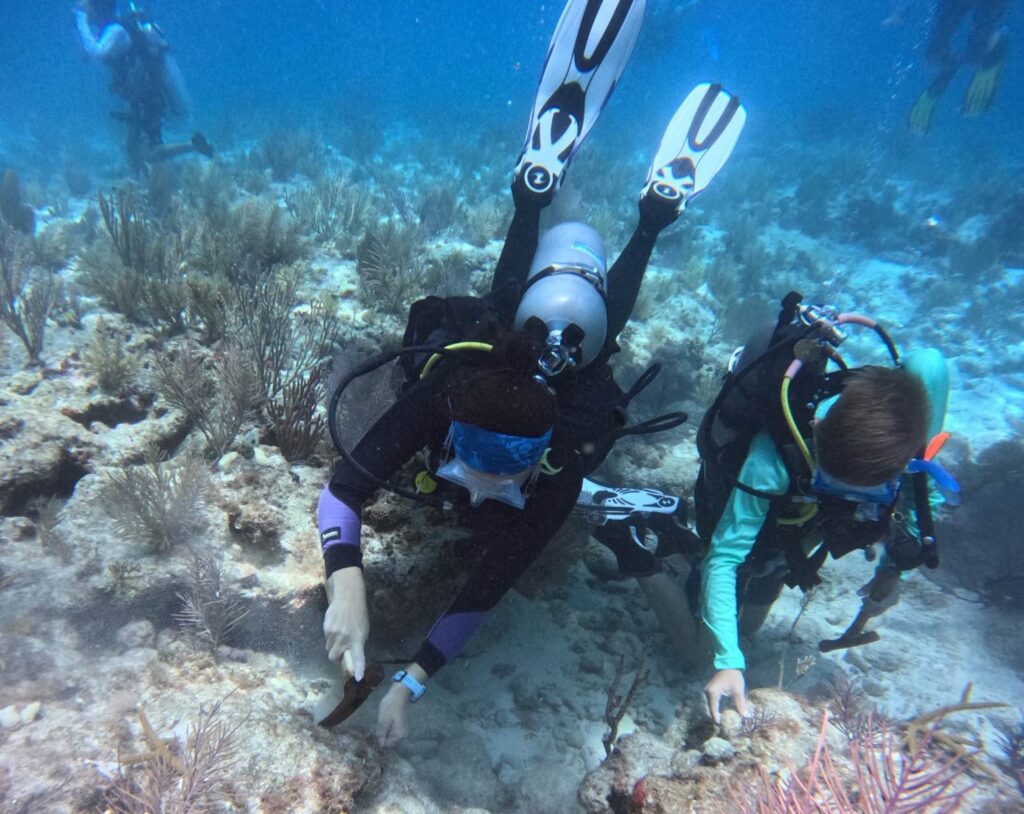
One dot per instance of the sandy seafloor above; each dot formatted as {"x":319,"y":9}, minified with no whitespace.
{"x":516,"y":722}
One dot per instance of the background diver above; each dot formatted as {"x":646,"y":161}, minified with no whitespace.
{"x":987,"y":44}
{"x":143,"y":73}
{"x":513,"y":422}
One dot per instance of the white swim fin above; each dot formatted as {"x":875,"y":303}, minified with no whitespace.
{"x":697,"y":143}
{"x":588,"y":52}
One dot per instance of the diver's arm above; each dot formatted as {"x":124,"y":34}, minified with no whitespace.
{"x":393,"y":712}
{"x":387,"y":446}
{"x":732,"y":542}
{"x":509,"y":553}
{"x":112,"y":43}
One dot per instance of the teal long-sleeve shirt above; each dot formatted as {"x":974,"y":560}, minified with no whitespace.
{"x":745,"y":515}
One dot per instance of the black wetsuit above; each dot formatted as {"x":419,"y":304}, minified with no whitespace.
{"x":590,"y":409}
{"x":983,"y":48}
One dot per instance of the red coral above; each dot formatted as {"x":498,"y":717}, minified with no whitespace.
{"x":639,"y":796}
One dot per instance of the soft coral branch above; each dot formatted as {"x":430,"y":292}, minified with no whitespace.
{"x":886,"y":780}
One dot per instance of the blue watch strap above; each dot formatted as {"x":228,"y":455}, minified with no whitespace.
{"x":411,"y":684}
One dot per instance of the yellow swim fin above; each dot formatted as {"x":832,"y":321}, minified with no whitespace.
{"x":982,"y":90}
{"x":923,"y":111}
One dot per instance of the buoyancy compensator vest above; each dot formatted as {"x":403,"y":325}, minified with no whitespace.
{"x":461,"y":330}
{"x":763,"y":392}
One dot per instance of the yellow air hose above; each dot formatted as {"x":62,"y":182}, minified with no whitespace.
{"x":433,"y":360}
{"x":812,"y":508}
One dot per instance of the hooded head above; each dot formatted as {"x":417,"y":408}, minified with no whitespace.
{"x":502,"y":421}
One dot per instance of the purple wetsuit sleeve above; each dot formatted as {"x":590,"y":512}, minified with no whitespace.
{"x":408,"y":425}
{"x":340,"y":527}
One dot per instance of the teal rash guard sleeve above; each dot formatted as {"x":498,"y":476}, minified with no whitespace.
{"x":732,"y":541}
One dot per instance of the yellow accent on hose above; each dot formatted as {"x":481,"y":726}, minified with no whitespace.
{"x":812,"y":508}
{"x":547,"y":468}
{"x":800,"y":519}
{"x":425,"y":484}
{"x":784,"y":396}
{"x":454,"y":346}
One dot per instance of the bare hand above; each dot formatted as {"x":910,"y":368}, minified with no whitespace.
{"x":726,"y":684}
{"x":347,"y":621}
{"x":393,"y":715}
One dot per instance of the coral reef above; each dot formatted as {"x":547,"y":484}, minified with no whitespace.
{"x":791,"y":762}
{"x":109,"y":360}
{"x":160,"y":503}
{"x":27,"y":297}
{"x":389,"y":263}
{"x":203,"y":305}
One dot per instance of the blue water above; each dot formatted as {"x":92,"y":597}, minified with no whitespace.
{"x":801,"y":66}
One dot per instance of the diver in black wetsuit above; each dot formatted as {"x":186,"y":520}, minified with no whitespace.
{"x":513,"y":428}
{"x":143,"y":74}
{"x":987,"y":44}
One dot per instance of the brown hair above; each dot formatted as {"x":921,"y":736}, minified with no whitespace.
{"x":502,"y":395}
{"x":878,"y":424}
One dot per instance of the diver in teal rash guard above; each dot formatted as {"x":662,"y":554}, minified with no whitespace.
{"x":143,"y":74}
{"x":834,"y":479}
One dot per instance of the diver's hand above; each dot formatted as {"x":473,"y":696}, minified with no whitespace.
{"x":393,"y":715}
{"x":881,"y":593}
{"x":393,"y":712}
{"x":347,"y":621}
{"x":726,"y":683}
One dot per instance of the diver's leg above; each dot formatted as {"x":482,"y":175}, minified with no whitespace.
{"x":135,"y":147}
{"x":516,"y":254}
{"x":986,"y":49}
{"x":987,"y":33}
{"x":948,"y":17}
{"x":627,"y":273}
{"x":758,"y":597}
{"x":697,"y":142}
{"x":626,"y":540}
{"x":669,"y":604}
{"x":587,"y":54}
{"x":165,"y":152}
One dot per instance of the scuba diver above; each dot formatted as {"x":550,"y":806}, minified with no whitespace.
{"x":799,"y":462}
{"x":512,"y":394}
{"x":143,"y":74}
{"x":987,"y":44}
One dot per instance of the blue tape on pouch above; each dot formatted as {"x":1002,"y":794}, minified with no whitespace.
{"x":495,"y":452}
